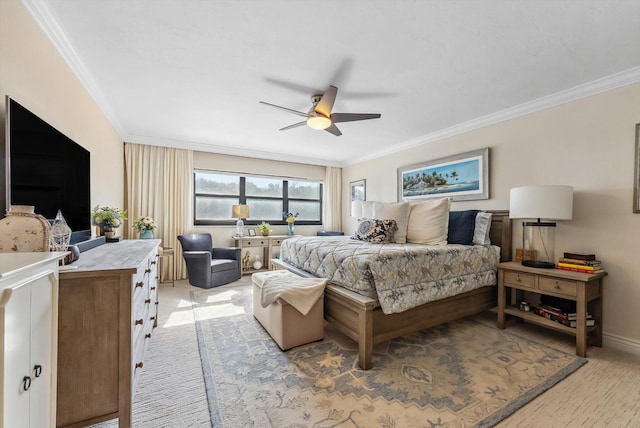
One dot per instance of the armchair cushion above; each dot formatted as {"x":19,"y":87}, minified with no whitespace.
{"x":207,"y":266}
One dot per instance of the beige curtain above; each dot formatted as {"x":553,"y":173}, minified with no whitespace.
{"x":159,"y":184}
{"x":332,"y":207}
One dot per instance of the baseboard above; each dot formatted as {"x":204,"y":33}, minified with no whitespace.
{"x":621,"y":343}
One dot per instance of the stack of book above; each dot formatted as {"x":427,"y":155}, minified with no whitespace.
{"x":585,"y":263}
{"x":555,"y":314}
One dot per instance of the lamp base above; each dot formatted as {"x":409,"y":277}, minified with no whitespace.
{"x":538,"y":264}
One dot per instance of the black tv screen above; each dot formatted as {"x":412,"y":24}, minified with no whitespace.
{"x":47,"y":170}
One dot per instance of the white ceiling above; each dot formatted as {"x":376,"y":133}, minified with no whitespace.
{"x":190,"y":73}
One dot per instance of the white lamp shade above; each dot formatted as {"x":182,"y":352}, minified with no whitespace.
{"x":356,"y":209}
{"x":240,"y":211}
{"x":549,"y":202}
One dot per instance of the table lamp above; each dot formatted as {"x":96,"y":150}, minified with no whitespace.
{"x":240,"y":212}
{"x":548,"y":202}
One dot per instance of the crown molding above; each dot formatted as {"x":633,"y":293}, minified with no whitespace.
{"x":608,"y":83}
{"x":46,"y":19}
{"x":222,"y":150}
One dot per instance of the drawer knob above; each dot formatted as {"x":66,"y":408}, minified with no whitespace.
{"x":147,"y":270}
{"x":153,"y":288}
{"x":556,"y":284}
{"x":147,"y":300}
{"x":153,"y":262}
{"x":140,"y":321}
{"x":518,"y":278}
{"x":37,"y":370}
{"x":147,"y":336}
{"x":152,"y":318}
{"x":139,"y":365}
{"x":139,"y":284}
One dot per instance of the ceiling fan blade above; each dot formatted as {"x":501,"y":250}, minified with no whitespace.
{"x":351,"y":117}
{"x":333,"y":129}
{"x":326,"y":102}
{"x":295,"y":125}
{"x":299,"y":113}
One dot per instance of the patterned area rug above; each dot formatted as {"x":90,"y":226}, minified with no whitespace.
{"x":460,"y":374}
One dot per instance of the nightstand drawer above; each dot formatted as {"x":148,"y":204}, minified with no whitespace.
{"x":558,"y":286}
{"x":518,"y":279}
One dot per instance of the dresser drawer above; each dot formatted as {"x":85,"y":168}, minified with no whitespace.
{"x":277,"y":242}
{"x":558,"y":286}
{"x":255,"y":243}
{"x":518,"y":279}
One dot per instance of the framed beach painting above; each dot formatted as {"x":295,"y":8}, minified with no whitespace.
{"x":461,"y":177}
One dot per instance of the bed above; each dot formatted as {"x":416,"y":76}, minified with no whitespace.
{"x":362,"y":319}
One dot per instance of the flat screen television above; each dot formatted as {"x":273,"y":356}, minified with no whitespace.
{"x":48,"y":170}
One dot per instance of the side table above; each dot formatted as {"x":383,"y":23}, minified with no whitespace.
{"x":583,"y":288}
{"x":263,"y":246}
{"x":168,"y":252}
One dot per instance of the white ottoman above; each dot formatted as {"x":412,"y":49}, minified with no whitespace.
{"x":284,"y":323}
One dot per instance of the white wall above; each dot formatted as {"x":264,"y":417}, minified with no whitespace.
{"x":34,"y":74}
{"x":588,"y":144}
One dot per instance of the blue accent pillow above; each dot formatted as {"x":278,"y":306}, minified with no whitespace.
{"x":461,"y":227}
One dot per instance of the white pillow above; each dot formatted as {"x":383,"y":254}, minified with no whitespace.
{"x":394,"y":211}
{"x":481,"y":231}
{"x":429,"y":222}
{"x":367,"y":209}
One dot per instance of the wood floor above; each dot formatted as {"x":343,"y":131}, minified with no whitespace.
{"x":605,"y":392}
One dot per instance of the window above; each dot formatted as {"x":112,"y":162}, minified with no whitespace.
{"x":267,"y":197}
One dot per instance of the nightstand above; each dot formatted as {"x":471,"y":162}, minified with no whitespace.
{"x":583,"y":288}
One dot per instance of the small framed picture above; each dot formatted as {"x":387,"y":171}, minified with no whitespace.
{"x":252,"y":232}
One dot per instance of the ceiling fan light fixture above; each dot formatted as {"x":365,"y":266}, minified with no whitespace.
{"x":318,"y":122}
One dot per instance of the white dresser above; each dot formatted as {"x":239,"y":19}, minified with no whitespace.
{"x":29,"y":325}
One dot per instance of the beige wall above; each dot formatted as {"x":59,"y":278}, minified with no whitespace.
{"x":588,"y":144}
{"x":33,"y":73}
{"x":242,"y":165}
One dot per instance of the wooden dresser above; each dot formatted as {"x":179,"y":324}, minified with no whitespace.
{"x":107,"y":310}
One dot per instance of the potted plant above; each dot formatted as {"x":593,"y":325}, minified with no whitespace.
{"x":145,"y":225}
{"x":264,"y":228}
{"x":107,"y":219}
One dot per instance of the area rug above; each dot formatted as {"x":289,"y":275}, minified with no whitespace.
{"x":460,"y":374}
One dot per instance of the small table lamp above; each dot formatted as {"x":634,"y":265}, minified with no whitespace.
{"x":240,"y":212}
{"x":550,"y":202}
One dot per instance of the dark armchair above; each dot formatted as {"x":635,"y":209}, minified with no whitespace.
{"x":207,"y":266}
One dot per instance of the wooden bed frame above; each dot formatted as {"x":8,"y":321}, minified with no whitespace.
{"x":357,"y":316}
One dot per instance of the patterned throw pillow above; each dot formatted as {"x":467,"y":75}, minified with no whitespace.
{"x":375,"y":231}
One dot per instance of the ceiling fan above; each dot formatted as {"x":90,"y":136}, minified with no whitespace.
{"x":320,"y":116}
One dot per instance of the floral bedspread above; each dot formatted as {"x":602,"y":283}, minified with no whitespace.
{"x":399,"y":276}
